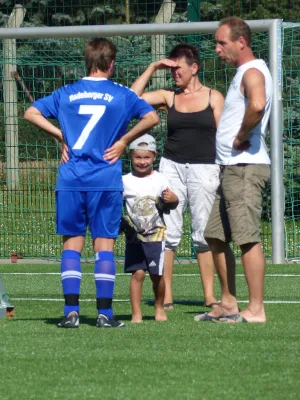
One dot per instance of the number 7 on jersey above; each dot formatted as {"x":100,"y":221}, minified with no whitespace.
{"x":96,"y":113}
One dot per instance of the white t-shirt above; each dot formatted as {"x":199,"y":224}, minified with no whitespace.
{"x":141,"y":196}
{"x":232,"y":117}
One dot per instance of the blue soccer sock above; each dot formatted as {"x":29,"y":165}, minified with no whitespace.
{"x":71,"y":279}
{"x":105,"y":274}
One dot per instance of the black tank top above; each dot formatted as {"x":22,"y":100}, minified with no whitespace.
{"x":191,"y":136}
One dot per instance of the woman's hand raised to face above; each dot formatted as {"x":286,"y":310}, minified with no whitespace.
{"x":165,"y":63}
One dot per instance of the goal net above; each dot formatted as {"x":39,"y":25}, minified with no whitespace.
{"x":30,"y":158}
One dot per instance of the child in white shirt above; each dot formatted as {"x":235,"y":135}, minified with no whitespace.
{"x":147,"y":196}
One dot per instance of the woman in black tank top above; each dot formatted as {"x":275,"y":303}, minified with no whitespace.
{"x":188,"y":160}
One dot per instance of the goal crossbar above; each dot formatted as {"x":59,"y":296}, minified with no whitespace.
{"x":124,"y":30}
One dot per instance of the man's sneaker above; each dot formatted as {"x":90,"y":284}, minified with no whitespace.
{"x":104,"y":322}
{"x":71,"y":321}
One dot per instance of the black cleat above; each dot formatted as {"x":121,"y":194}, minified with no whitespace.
{"x":104,"y":322}
{"x":71,"y":321}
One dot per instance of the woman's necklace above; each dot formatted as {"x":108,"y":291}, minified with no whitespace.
{"x":197,"y":90}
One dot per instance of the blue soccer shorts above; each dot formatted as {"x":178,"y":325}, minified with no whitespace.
{"x":100,"y":211}
{"x":146,"y":256}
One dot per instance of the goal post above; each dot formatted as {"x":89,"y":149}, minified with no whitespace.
{"x":270,"y":26}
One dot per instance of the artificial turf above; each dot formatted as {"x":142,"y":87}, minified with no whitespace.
{"x":177,"y":359}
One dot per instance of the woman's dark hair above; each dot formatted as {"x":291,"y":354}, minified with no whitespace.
{"x":187,"y":51}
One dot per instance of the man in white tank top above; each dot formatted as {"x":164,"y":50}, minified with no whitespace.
{"x":242,"y":153}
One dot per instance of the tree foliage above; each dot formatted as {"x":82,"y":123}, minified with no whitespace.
{"x":85,"y":12}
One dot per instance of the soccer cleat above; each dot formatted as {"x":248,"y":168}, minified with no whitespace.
{"x":71,"y":321}
{"x":104,"y":322}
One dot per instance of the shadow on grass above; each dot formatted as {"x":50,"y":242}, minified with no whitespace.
{"x":50,"y":321}
{"x":197,"y":312}
{"x":150,"y":302}
{"x":128,"y":317}
{"x":84,"y":320}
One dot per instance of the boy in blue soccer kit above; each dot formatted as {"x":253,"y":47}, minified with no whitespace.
{"x":147,"y":196}
{"x":93,"y":114}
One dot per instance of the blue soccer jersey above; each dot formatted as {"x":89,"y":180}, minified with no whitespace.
{"x":93,"y":114}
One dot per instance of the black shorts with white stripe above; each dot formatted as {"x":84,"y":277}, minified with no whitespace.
{"x":146,"y":256}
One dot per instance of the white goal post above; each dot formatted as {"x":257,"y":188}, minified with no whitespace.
{"x":271,"y":26}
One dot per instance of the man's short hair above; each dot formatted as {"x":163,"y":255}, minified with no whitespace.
{"x":98,"y":54}
{"x":187,"y":51}
{"x":238,"y":27}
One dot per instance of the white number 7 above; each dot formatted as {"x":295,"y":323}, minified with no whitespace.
{"x":96,"y":113}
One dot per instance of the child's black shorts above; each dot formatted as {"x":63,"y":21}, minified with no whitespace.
{"x":147,"y":256}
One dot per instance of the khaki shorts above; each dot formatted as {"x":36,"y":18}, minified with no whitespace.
{"x":236,"y":213}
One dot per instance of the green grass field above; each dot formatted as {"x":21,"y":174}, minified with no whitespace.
{"x":179,"y":359}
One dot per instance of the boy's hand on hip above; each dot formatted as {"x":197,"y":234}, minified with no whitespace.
{"x":114,"y":152}
{"x":64,"y":154}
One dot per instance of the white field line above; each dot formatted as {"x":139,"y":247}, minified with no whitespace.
{"x":123,"y":274}
{"x":176,"y":301}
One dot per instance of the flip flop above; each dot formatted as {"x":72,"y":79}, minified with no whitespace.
{"x":169,"y":306}
{"x":210,"y":305}
{"x":205,"y":317}
{"x":236,"y":318}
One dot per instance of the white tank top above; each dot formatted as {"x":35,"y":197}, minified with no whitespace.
{"x":232,"y":117}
